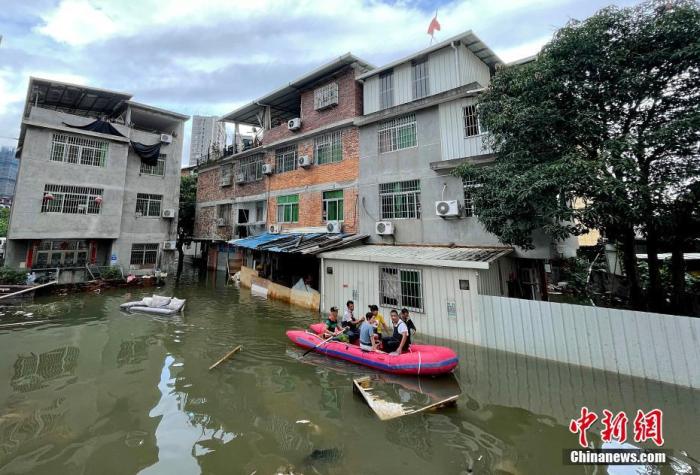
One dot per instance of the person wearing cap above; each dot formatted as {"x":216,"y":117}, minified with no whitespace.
{"x":334,"y":328}
{"x":380,"y":326}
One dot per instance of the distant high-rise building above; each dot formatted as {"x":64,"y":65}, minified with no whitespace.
{"x":8,"y":174}
{"x":206,"y":131}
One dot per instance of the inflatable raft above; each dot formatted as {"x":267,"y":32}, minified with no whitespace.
{"x":420,"y":359}
{"x":156,"y":305}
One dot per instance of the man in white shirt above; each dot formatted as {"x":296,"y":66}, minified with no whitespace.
{"x":399,"y":341}
{"x":349,"y":321}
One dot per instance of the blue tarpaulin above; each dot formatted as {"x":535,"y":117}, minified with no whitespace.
{"x":302,"y":243}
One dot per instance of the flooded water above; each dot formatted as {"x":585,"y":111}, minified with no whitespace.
{"x":97,"y":391}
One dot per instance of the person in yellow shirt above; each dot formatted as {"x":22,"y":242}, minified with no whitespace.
{"x":382,"y":327}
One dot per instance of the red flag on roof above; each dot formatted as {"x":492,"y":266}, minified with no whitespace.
{"x":434,"y":25}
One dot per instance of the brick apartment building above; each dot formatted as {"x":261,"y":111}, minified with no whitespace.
{"x":298,"y":175}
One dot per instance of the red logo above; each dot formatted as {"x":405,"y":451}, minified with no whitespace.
{"x":580,"y":426}
{"x":647,"y":426}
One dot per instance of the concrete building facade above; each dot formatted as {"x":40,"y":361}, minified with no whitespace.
{"x":84,"y":195}
{"x":207,"y":133}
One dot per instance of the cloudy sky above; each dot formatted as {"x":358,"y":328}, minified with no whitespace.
{"x":208,"y":57}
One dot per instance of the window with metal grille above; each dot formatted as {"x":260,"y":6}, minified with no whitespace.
{"x":386,"y":89}
{"x":71,"y":199}
{"x":158,"y":169}
{"x":326,"y":96}
{"x":78,"y":150}
{"x":420,"y":75}
{"x":328,"y":148}
{"x":251,"y":167}
{"x":398,"y":133}
{"x":288,"y":209}
{"x":333,"y":205}
{"x":144,"y":256}
{"x":260,"y":207}
{"x":472,"y":126}
{"x":400,"y":200}
{"x":401,"y":287}
{"x":148,"y":205}
{"x":286,"y":159}
{"x":469,"y":184}
{"x":61,"y":254}
{"x":223,"y":212}
{"x":226,"y":172}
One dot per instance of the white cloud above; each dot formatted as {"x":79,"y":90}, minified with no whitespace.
{"x":523,"y":50}
{"x":77,"y":22}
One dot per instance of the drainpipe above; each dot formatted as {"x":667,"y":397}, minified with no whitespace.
{"x":322,"y":285}
{"x":454,"y":45}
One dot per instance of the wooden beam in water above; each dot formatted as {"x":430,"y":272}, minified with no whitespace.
{"x":30,"y":289}
{"x":225,"y":357}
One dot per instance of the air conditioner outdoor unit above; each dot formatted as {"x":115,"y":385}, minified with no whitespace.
{"x":267,"y":169}
{"x":166,"y":138}
{"x":294,"y":124}
{"x":240,"y":178}
{"x":168,"y":213}
{"x":305,"y":161}
{"x":220,"y":222}
{"x":334,"y":227}
{"x":447,"y":208}
{"x":384,"y":228}
{"x":274,"y":229}
{"x":169,"y":245}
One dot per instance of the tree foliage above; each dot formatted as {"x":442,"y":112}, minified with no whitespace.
{"x":4,"y":221}
{"x":186,"y":215}
{"x":609,"y":112}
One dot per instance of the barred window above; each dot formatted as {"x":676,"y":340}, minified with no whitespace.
{"x":469,"y":184}
{"x":158,"y":169}
{"x":286,"y":159}
{"x":225,"y":173}
{"x":144,"y":256}
{"x":326,"y":96}
{"x":400,"y":200}
{"x":251,"y":167}
{"x":420,"y":78}
{"x":398,"y":133}
{"x":333,"y":205}
{"x":328,"y":148}
{"x":401,"y":287}
{"x":223,"y":212}
{"x":472,"y":125}
{"x":260,"y":207}
{"x":61,"y":253}
{"x":386,"y":89}
{"x":148,"y":205}
{"x":288,"y":209}
{"x":71,"y":199}
{"x":78,"y":150}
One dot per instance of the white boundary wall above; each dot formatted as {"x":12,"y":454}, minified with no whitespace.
{"x":648,"y":345}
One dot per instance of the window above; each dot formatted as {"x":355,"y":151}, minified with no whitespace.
{"x":472,"y":126}
{"x":78,"y":150}
{"x":251,"y":167}
{"x":401,"y":287}
{"x":397,"y":133}
{"x":288,"y":209}
{"x":333,"y":205}
{"x":70,"y":253}
{"x":148,"y":205}
{"x":144,"y":256}
{"x":386,"y":89}
{"x":157,"y":170}
{"x":71,"y":199}
{"x":260,"y":211}
{"x":226,"y":172}
{"x":223,"y":212}
{"x":400,"y":200}
{"x":469,"y":184}
{"x":420,"y":78}
{"x":286,"y":159}
{"x":326,"y":96}
{"x":328,"y":148}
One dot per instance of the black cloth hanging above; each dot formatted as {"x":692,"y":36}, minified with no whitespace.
{"x":149,"y":153}
{"x":101,"y":126}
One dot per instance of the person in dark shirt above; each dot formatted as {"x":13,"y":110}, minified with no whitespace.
{"x":409,"y":323}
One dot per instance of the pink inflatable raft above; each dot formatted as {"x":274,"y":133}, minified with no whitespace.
{"x":421,"y":359}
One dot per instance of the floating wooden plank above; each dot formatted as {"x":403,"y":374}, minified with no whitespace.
{"x":387,"y":410}
{"x":30,"y":289}
{"x":23,"y":324}
{"x":225,"y":357}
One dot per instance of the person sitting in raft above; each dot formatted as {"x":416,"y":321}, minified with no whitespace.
{"x":334,"y":328}
{"x":409,"y":323}
{"x":400,"y":340}
{"x":380,"y":325}
{"x":368,"y":340}
{"x":350,"y":322}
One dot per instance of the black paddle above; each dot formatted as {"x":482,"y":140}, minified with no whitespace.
{"x":323,"y":342}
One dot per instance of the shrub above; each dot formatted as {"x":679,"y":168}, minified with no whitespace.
{"x":111,"y":273}
{"x":10,"y":276}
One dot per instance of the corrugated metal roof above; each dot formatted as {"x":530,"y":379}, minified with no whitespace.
{"x":463,"y":257}
{"x":299,"y":243}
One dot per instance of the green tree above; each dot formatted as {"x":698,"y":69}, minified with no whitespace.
{"x":609,"y":112}
{"x":4,"y":221}
{"x":185,"y":216}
